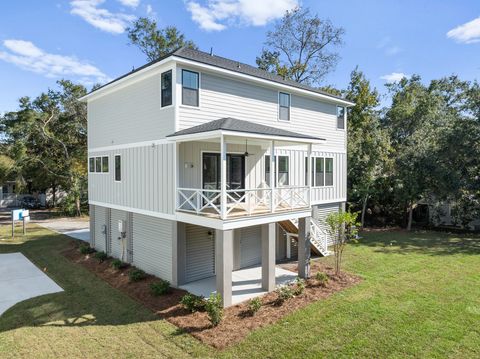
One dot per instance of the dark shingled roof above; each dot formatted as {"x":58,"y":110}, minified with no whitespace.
{"x":227,"y":64}
{"x":232,"y":124}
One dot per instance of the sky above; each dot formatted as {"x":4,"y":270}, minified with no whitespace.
{"x":85,"y":40}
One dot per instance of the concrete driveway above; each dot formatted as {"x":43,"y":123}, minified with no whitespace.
{"x":78,"y":229}
{"x":20,"y":279}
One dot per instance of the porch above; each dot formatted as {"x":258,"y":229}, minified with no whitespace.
{"x":246,"y":283}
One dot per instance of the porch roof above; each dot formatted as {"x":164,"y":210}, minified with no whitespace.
{"x":234,"y":127}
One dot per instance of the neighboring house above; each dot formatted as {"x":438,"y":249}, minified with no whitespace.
{"x":198,"y":167}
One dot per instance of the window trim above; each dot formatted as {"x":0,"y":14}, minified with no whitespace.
{"x":115,"y":167}
{"x":108,"y":163}
{"x":198,"y":89}
{"x":276,"y":170}
{"x":89,"y":168}
{"x":344,"y":118}
{"x":161,"y":90}
{"x":314,"y":171}
{"x":289,"y":106}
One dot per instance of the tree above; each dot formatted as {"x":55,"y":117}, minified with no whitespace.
{"x":368,"y":142}
{"x":301,"y":47}
{"x":343,"y":228}
{"x":154,"y":42}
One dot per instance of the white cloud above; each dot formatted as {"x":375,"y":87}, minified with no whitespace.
{"x":130,"y":3}
{"x":216,"y":15}
{"x":102,"y":19}
{"x":467,"y":33}
{"x":394,"y":77}
{"x":149,"y":9}
{"x":27,"y":56}
{"x":392,"y":50}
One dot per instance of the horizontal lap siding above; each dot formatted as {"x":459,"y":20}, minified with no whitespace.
{"x":118,"y":249}
{"x":250,"y":246}
{"x":152,"y":245}
{"x":147,"y":179}
{"x":130,"y":114}
{"x":200,"y":252}
{"x":320,"y":213}
{"x":226,"y":97}
{"x":101,"y":220}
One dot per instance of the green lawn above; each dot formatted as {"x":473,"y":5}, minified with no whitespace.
{"x":420,"y":298}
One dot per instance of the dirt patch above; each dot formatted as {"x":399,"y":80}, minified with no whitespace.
{"x":237,"y":322}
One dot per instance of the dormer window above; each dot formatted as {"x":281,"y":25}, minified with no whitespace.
{"x":190,"y":86}
{"x":284,"y":106}
{"x":166,"y":88}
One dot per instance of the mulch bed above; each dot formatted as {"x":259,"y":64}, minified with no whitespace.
{"x":237,"y":322}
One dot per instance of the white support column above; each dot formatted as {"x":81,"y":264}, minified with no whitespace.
{"x":304,"y":247}
{"x":224,"y":264}
{"x":289,"y":246}
{"x":273,"y":171}
{"x":223,"y":177}
{"x":268,"y":256}
{"x":309,"y":173}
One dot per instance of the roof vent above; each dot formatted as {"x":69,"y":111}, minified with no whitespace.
{"x":211,"y":51}
{"x":133,"y":68}
{"x":238,"y":65}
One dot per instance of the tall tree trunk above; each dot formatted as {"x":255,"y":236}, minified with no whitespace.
{"x":54,"y":198}
{"x":364,"y":209}
{"x":410,"y":217}
{"x":77,"y":206}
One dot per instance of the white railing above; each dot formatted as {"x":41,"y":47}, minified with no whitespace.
{"x":318,"y":237}
{"x":242,"y":202}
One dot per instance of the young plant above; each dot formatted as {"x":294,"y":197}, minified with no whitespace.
{"x":101,"y":256}
{"x":192,"y":302}
{"x":343,"y":227}
{"x":299,"y":286}
{"x":284,"y":293}
{"x":85,"y":249}
{"x":214,"y":308}
{"x":160,"y":288}
{"x":321,"y":278}
{"x":136,"y":275}
{"x":254,"y":305}
{"x":118,"y":264}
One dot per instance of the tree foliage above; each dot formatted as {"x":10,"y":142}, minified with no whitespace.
{"x":155,"y":42}
{"x":301,"y":47}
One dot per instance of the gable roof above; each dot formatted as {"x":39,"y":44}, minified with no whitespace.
{"x":234,"y":125}
{"x":226,"y":64}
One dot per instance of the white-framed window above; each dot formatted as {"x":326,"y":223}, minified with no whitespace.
{"x":341,"y":113}
{"x":322,"y":171}
{"x":190,"y":88}
{"x":282,"y":170}
{"x":166,"y":88}
{"x":283,"y":106}
{"x":118,"y":168}
{"x":105,"y":164}
{"x":98,"y":164}
{"x":91,"y":164}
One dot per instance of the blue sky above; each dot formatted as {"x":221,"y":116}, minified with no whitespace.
{"x":84,"y":40}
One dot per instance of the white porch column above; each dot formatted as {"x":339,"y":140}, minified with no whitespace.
{"x":273,"y":171}
{"x":289,"y":246}
{"x":309,"y":173}
{"x":223,"y":177}
{"x":304,"y":247}
{"x":224,"y":264}
{"x":268,"y":256}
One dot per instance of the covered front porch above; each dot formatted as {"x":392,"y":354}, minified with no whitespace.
{"x":246,"y":283}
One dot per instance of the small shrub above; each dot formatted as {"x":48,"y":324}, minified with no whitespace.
{"x":284,"y":293}
{"x":192,"y":302}
{"x":101,"y":256}
{"x":214,"y":308}
{"x":136,"y":275}
{"x":160,"y":288}
{"x":300,"y":286}
{"x":254,"y":305}
{"x":118,"y":264}
{"x":85,"y":249}
{"x":321,"y":278}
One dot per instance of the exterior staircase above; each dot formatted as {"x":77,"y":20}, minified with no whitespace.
{"x":318,"y":237}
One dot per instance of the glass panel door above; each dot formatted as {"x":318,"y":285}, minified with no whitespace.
{"x":211,"y":174}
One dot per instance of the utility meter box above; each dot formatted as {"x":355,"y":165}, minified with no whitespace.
{"x":121,"y":226}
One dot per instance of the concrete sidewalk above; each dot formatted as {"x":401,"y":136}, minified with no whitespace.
{"x":20,"y":279}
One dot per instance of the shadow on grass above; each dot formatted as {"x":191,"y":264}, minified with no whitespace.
{"x":86,"y":300}
{"x":425,"y":242}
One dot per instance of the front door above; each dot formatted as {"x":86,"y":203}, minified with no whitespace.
{"x":212,"y":176}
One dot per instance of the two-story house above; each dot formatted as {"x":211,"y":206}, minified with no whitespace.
{"x":200,"y":166}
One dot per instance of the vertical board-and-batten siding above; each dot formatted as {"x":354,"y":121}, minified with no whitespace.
{"x":226,"y":97}
{"x":152,"y":245}
{"x":147,"y":179}
{"x":130,"y":114}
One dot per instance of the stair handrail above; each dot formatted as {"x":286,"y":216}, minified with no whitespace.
{"x":317,"y":231}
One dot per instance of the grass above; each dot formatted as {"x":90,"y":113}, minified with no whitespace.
{"x":420,"y":298}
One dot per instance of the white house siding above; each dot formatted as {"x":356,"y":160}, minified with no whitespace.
{"x":118,"y":249}
{"x":130,"y":114}
{"x":320,"y":213}
{"x":147,"y":179}
{"x":200,"y":252}
{"x":152,"y":245}
{"x":225,"y":97}
{"x":250,"y":246}
{"x":100,"y":220}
